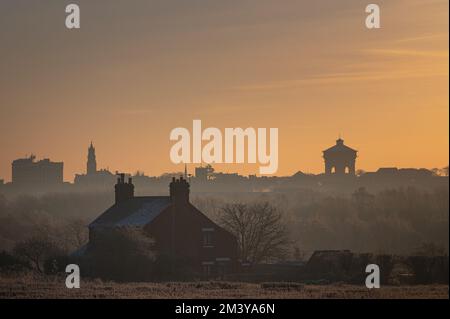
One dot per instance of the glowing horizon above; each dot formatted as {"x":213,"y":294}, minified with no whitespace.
{"x":132,"y":73}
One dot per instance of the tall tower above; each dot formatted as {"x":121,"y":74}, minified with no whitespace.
{"x":91,"y":162}
{"x":340,"y":159}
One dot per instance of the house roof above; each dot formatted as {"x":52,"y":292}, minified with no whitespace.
{"x":138,"y":211}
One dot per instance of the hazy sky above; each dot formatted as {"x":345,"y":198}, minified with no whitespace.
{"x":137,"y":69}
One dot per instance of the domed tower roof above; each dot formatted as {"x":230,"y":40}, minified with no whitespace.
{"x":340,"y":147}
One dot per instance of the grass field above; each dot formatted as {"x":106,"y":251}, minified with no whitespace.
{"x":54,"y":287}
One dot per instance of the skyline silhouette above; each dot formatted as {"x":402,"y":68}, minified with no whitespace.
{"x":224,"y":149}
{"x":310,"y":68}
{"x":338,"y":159}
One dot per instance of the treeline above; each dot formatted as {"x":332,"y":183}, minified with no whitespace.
{"x":290,"y":225}
{"x":60,"y":217}
{"x":394,"y":221}
{"x":397,"y":221}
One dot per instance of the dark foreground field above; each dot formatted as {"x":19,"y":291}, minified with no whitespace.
{"x":35,"y":287}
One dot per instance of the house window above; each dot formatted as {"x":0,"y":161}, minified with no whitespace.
{"x":207,"y":268}
{"x":223,"y":265}
{"x":208,"y":237}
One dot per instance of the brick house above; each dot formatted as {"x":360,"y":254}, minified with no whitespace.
{"x":179,"y":229}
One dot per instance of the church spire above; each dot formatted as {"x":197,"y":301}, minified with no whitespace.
{"x":91,"y":166}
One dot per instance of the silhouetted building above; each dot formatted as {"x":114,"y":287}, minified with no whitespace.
{"x":94,"y":179}
{"x":91,"y":167}
{"x":181,"y":232}
{"x":202,"y":174}
{"x":340,"y":159}
{"x":28,"y":172}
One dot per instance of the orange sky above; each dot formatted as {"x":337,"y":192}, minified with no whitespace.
{"x":134,"y":71}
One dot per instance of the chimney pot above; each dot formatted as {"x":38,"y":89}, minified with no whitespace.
{"x":123,"y":191}
{"x":179,"y":191}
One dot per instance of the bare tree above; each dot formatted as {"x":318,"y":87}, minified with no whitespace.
{"x":259,"y":230}
{"x":35,"y":250}
{"x":77,"y":233}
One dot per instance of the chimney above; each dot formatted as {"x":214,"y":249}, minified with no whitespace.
{"x":124,"y":191}
{"x":179,"y":190}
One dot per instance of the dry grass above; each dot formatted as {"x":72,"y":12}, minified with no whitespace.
{"x":31,"y":286}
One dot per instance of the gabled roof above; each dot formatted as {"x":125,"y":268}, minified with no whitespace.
{"x":138,"y":211}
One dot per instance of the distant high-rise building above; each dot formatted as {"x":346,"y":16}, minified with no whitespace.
{"x":202,"y":174}
{"x":29,"y":172}
{"x":92,"y":161}
{"x":340,"y":159}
